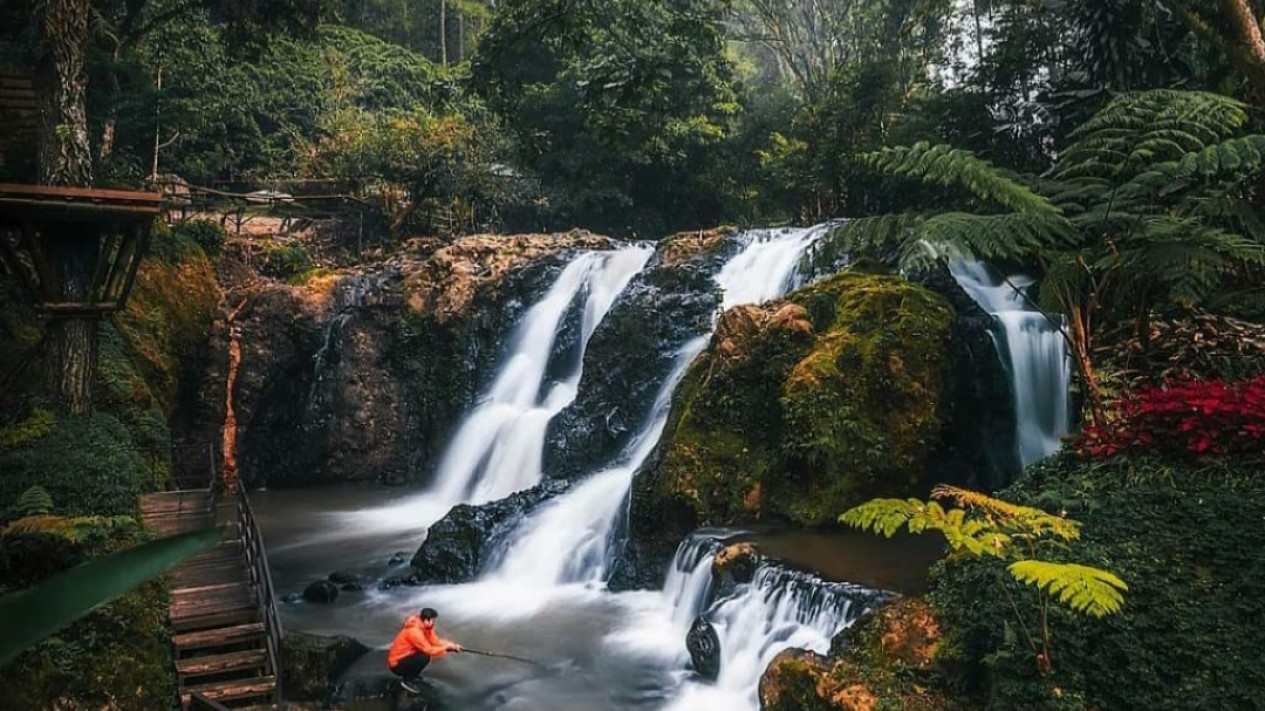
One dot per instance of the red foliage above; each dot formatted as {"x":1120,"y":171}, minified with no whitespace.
{"x":1184,"y":420}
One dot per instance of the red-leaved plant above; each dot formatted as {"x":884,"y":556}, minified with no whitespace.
{"x":1184,"y":420}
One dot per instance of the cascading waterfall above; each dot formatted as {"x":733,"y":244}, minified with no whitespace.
{"x":689,"y":580}
{"x":499,"y":447}
{"x":1035,"y":354}
{"x":570,"y":539}
{"x":780,"y":609}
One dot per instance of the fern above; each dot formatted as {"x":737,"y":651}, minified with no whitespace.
{"x":1087,"y":590}
{"x":1028,"y":520}
{"x":34,"y":501}
{"x":948,"y":166}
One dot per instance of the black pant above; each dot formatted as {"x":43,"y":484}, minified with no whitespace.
{"x":411,"y":666}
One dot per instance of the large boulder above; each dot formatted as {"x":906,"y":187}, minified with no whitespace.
{"x":802,"y":408}
{"x":734,"y":565}
{"x":310,"y":663}
{"x":460,"y":544}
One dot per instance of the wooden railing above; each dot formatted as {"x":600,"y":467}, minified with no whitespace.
{"x":261,"y":579}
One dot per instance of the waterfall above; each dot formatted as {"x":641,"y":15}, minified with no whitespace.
{"x":1034,"y":353}
{"x":689,"y":580}
{"x":571,"y":538}
{"x":780,"y":609}
{"x":499,"y":446}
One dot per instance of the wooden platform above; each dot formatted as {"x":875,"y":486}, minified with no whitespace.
{"x":220,"y":638}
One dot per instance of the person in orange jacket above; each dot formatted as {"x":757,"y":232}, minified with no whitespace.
{"x":415,"y":646}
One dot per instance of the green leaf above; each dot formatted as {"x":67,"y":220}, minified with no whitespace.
{"x":28,"y":616}
{"x":1092,"y":591}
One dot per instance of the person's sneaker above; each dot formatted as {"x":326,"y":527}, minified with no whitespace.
{"x":410,"y":686}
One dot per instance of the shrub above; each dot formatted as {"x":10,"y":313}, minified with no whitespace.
{"x":207,"y":234}
{"x":117,"y":657}
{"x":1185,"y":421}
{"x":88,"y":465}
{"x":285,"y":261}
{"x":1187,"y":540}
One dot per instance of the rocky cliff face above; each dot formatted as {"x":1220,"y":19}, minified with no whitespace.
{"x":364,"y":373}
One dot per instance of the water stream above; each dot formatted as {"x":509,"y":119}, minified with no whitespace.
{"x":1035,"y":355}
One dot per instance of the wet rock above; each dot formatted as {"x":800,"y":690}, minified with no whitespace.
{"x":460,"y":544}
{"x":310,"y":663}
{"x":704,"y":646}
{"x":322,"y":591}
{"x":352,"y":587}
{"x":341,"y":577}
{"x":665,"y":306}
{"x":734,"y":565}
{"x":399,"y":558}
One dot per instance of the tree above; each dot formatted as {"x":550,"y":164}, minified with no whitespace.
{"x":1234,"y":28}
{"x":1024,"y":537}
{"x":1147,"y":209}
{"x":614,"y":104}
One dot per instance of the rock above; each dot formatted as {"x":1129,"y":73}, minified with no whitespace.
{"x":340,"y":577}
{"x":802,"y":408}
{"x":322,"y":591}
{"x":311,"y":662}
{"x":352,"y":587}
{"x":363,"y":374}
{"x":734,"y":565}
{"x":704,"y":646}
{"x":885,"y":660}
{"x":665,"y":306}
{"x":458,"y":545}
{"x":399,"y":558}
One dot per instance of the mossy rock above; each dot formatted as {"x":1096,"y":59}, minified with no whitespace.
{"x":885,"y":661}
{"x":802,"y":408}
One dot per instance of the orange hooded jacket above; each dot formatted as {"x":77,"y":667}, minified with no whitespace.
{"x":415,"y":638}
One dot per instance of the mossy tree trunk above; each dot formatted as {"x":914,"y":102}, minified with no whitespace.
{"x":65,"y":159}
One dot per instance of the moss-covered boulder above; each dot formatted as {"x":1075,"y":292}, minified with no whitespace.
{"x":885,"y":661}
{"x":802,"y":408}
{"x":310,"y":663}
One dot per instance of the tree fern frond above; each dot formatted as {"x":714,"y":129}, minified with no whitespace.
{"x":944,"y":165}
{"x":1085,"y":589}
{"x":1231,"y":161}
{"x":35,"y":501}
{"x":1026,"y":519}
{"x":960,"y":235}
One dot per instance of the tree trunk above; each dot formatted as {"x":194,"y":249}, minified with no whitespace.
{"x":443,"y":33}
{"x":70,"y":361}
{"x":60,"y":84}
{"x":65,"y":158}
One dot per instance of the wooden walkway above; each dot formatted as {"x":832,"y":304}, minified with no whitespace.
{"x":219,"y":610}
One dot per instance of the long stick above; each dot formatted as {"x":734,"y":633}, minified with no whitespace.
{"x":502,"y":656}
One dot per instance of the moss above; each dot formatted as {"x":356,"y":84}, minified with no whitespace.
{"x":117,"y":657}
{"x":802,"y":409}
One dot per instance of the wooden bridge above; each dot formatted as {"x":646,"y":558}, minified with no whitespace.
{"x":223,"y":612}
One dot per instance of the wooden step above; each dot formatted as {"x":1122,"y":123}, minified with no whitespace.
{"x":205,"y":605}
{"x":230,"y":690}
{"x":206,"y":619}
{"x":219,"y":637}
{"x":202,"y":594}
{"x":216,"y":663}
{"x":208,"y":574}
{"x":229,"y":550}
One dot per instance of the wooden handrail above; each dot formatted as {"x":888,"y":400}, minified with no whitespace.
{"x":261,"y":579}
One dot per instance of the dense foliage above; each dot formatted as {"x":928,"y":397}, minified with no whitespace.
{"x":1184,"y":537}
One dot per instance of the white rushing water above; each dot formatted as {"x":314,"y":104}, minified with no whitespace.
{"x":778,"y":610}
{"x":499,"y":447}
{"x":1034,"y":352}
{"x":569,"y":539}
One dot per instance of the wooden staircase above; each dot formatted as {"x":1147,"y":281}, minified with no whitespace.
{"x":226,"y":635}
